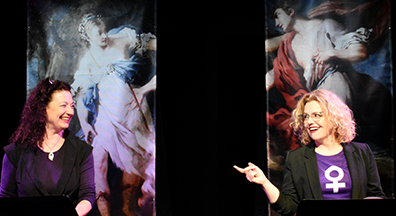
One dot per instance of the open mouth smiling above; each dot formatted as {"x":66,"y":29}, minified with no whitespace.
{"x":66,"y":118}
{"x":313,"y":128}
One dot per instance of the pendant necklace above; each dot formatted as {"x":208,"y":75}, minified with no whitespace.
{"x":51,"y":154}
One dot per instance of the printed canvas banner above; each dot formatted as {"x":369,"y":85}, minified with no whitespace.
{"x":106,"y":50}
{"x":344,"y":47}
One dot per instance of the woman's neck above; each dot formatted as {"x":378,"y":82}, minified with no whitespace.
{"x":52,"y":135}
{"x":53,"y":141}
{"x":328,"y":148}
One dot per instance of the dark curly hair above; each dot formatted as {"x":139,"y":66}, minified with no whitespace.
{"x":31,"y":129}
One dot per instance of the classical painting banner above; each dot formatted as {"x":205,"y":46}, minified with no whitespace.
{"x":106,"y":50}
{"x":341,"y":46}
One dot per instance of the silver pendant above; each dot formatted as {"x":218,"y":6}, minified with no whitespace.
{"x":51,"y":156}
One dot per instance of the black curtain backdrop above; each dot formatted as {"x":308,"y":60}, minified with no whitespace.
{"x":210,"y":102}
{"x":210,"y":95}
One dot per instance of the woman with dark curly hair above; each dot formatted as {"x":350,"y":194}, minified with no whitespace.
{"x":42,"y":159}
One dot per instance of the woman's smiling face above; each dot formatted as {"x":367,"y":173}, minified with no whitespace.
{"x":315,"y":122}
{"x":60,"y":110}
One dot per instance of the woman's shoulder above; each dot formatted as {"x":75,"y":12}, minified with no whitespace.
{"x":303,"y":149}
{"x":13,"y":152}
{"x":295,"y":156}
{"x":358,"y":146}
{"x":15,"y":148}
{"x":79,"y":147}
{"x":9,"y":148}
{"x":298,"y":151}
{"x":78,"y":143}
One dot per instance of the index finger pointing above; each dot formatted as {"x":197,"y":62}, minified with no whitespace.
{"x":239,"y":169}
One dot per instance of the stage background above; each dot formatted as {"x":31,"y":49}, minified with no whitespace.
{"x":210,"y":102}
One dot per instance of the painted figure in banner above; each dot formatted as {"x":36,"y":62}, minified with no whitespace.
{"x":318,"y":52}
{"x":111,"y":83}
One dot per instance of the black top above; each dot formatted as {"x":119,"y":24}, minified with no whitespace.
{"x":25,"y":172}
{"x":49,"y":171}
{"x":301,"y":176}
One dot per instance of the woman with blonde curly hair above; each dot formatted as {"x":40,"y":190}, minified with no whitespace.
{"x":329,"y":165}
{"x":339,"y":116}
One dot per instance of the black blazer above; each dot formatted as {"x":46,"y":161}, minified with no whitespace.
{"x":27,"y":179}
{"x":301,"y":176}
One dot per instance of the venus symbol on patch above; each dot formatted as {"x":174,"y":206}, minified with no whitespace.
{"x":335,"y":185}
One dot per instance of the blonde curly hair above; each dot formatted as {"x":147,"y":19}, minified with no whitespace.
{"x":339,"y":115}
